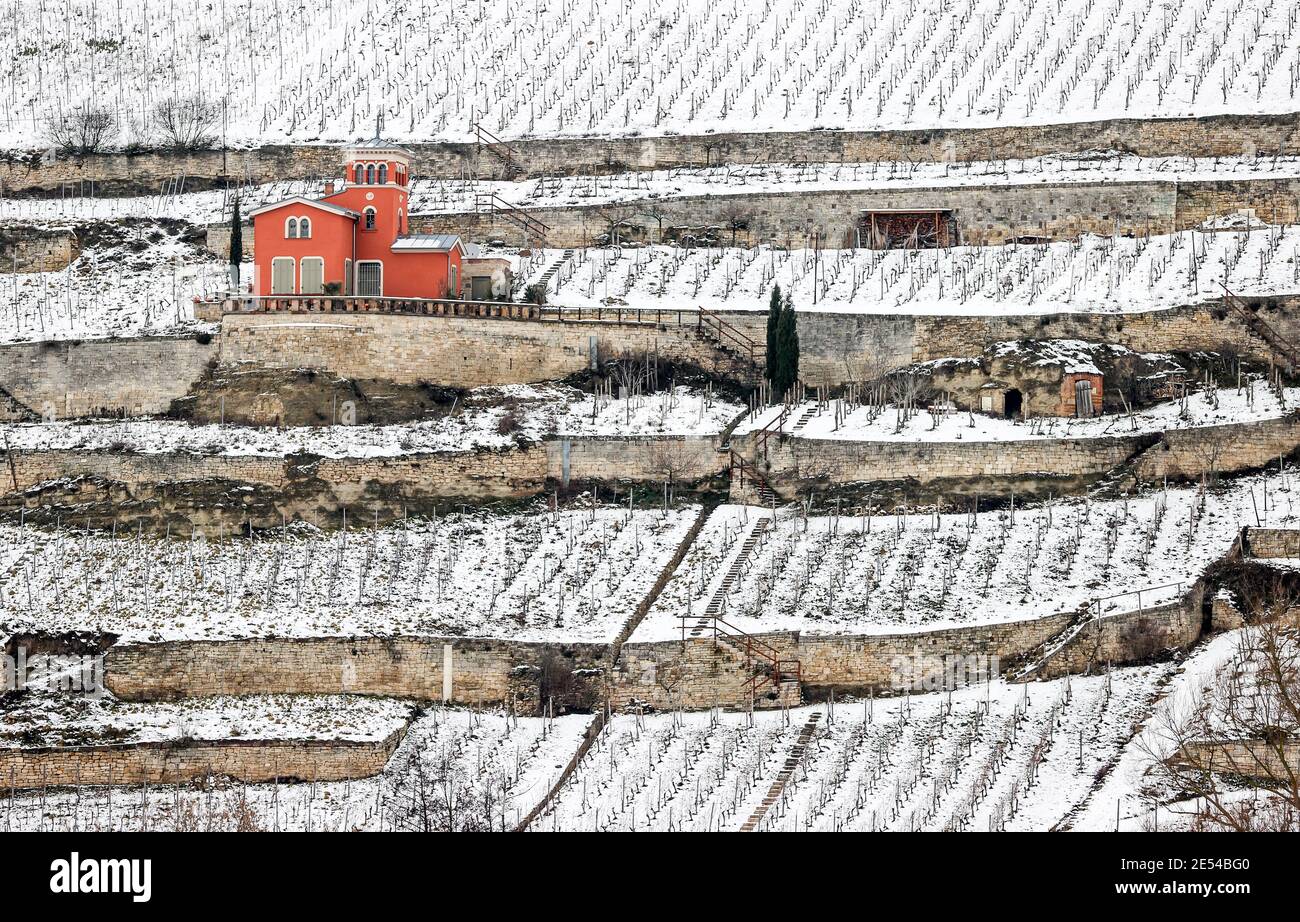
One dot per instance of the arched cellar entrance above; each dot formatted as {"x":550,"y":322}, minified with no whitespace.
{"x":1012,"y":403}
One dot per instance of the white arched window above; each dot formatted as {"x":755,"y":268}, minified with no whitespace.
{"x":304,"y":227}
{"x":383,"y":174}
{"x":361,"y":174}
{"x":369,"y":219}
{"x":291,"y":228}
{"x":370,"y":174}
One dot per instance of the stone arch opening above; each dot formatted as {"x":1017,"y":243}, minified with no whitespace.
{"x":1012,"y":403}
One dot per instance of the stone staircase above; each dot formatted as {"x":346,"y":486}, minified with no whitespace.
{"x":732,"y":341}
{"x":771,"y":680}
{"x":714,"y":608}
{"x":792,"y":759}
{"x":746,"y":480}
{"x":553,"y":269}
{"x":804,"y":418}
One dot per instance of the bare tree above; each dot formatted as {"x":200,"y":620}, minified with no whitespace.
{"x":909,"y":390}
{"x":186,"y":123}
{"x":1234,"y":746}
{"x":86,"y":129}
{"x":674,"y":461}
{"x":431,"y":791}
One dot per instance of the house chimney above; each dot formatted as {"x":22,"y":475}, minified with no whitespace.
{"x":329,"y":187}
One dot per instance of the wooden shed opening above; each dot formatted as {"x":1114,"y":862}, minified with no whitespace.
{"x":907,"y":230}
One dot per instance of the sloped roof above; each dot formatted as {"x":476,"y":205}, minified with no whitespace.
{"x":428,"y":242}
{"x":306,"y":203}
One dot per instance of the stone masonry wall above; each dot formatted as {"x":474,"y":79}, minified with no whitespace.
{"x":483,"y":671}
{"x":144,"y":375}
{"x":1219,"y":135}
{"x":68,"y":378}
{"x":483,"y":474}
{"x":36,"y":249}
{"x":702,"y":673}
{"x":1271,"y":543}
{"x":984,"y":214}
{"x":682,"y":459}
{"x":1187,"y":454}
{"x":1133,"y":636}
{"x":453,"y":351}
{"x":1179,"y":454}
{"x":176,"y":762}
{"x":798,"y":460}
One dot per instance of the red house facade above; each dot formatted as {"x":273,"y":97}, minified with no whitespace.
{"x":355,"y":241}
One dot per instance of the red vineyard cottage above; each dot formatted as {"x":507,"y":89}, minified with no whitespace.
{"x":355,"y":241}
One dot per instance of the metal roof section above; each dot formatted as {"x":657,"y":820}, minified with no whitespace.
{"x":429,"y":242}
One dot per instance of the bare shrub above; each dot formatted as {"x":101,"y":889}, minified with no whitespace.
{"x":86,"y":129}
{"x":186,"y":123}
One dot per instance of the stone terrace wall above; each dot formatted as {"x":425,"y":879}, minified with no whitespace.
{"x":992,"y":213}
{"x":683,"y":459}
{"x":838,"y":347}
{"x":452,"y":351}
{"x":1221,"y":135}
{"x":483,"y":671}
{"x":175,"y":762}
{"x":1130,"y":637}
{"x":988,"y":214}
{"x":70,"y":378}
{"x":1272,"y":543}
{"x":36,"y":249}
{"x":144,"y":375}
{"x":800,"y":460}
{"x":703,"y":674}
{"x":1252,"y":758}
{"x":1179,"y":454}
{"x":483,"y":474}
{"x":1187,"y":454}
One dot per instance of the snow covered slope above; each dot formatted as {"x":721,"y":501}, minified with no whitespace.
{"x":326,"y":70}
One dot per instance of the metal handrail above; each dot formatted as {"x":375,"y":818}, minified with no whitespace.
{"x":725,"y":330}
{"x":1095,"y":604}
{"x":1266,"y":331}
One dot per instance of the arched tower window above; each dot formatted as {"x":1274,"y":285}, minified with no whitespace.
{"x":369,"y":219}
{"x":361,"y":174}
{"x":383,"y":174}
{"x":370,"y":174}
{"x":304,"y":227}
{"x":291,"y":228}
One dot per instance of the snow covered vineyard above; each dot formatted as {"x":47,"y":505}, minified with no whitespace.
{"x":620,"y":68}
{"x":603,"y":415}
{"x":663,"y":608}
{"x":899,"y":572}
{"x":572,"y":576}
{"x":992,"y":757}
{"x":498,"y":765}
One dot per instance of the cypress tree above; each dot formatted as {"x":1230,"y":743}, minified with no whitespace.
{"x":773,"y":321}
{"x":236,"y":244}
{"x":787,"y":347}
